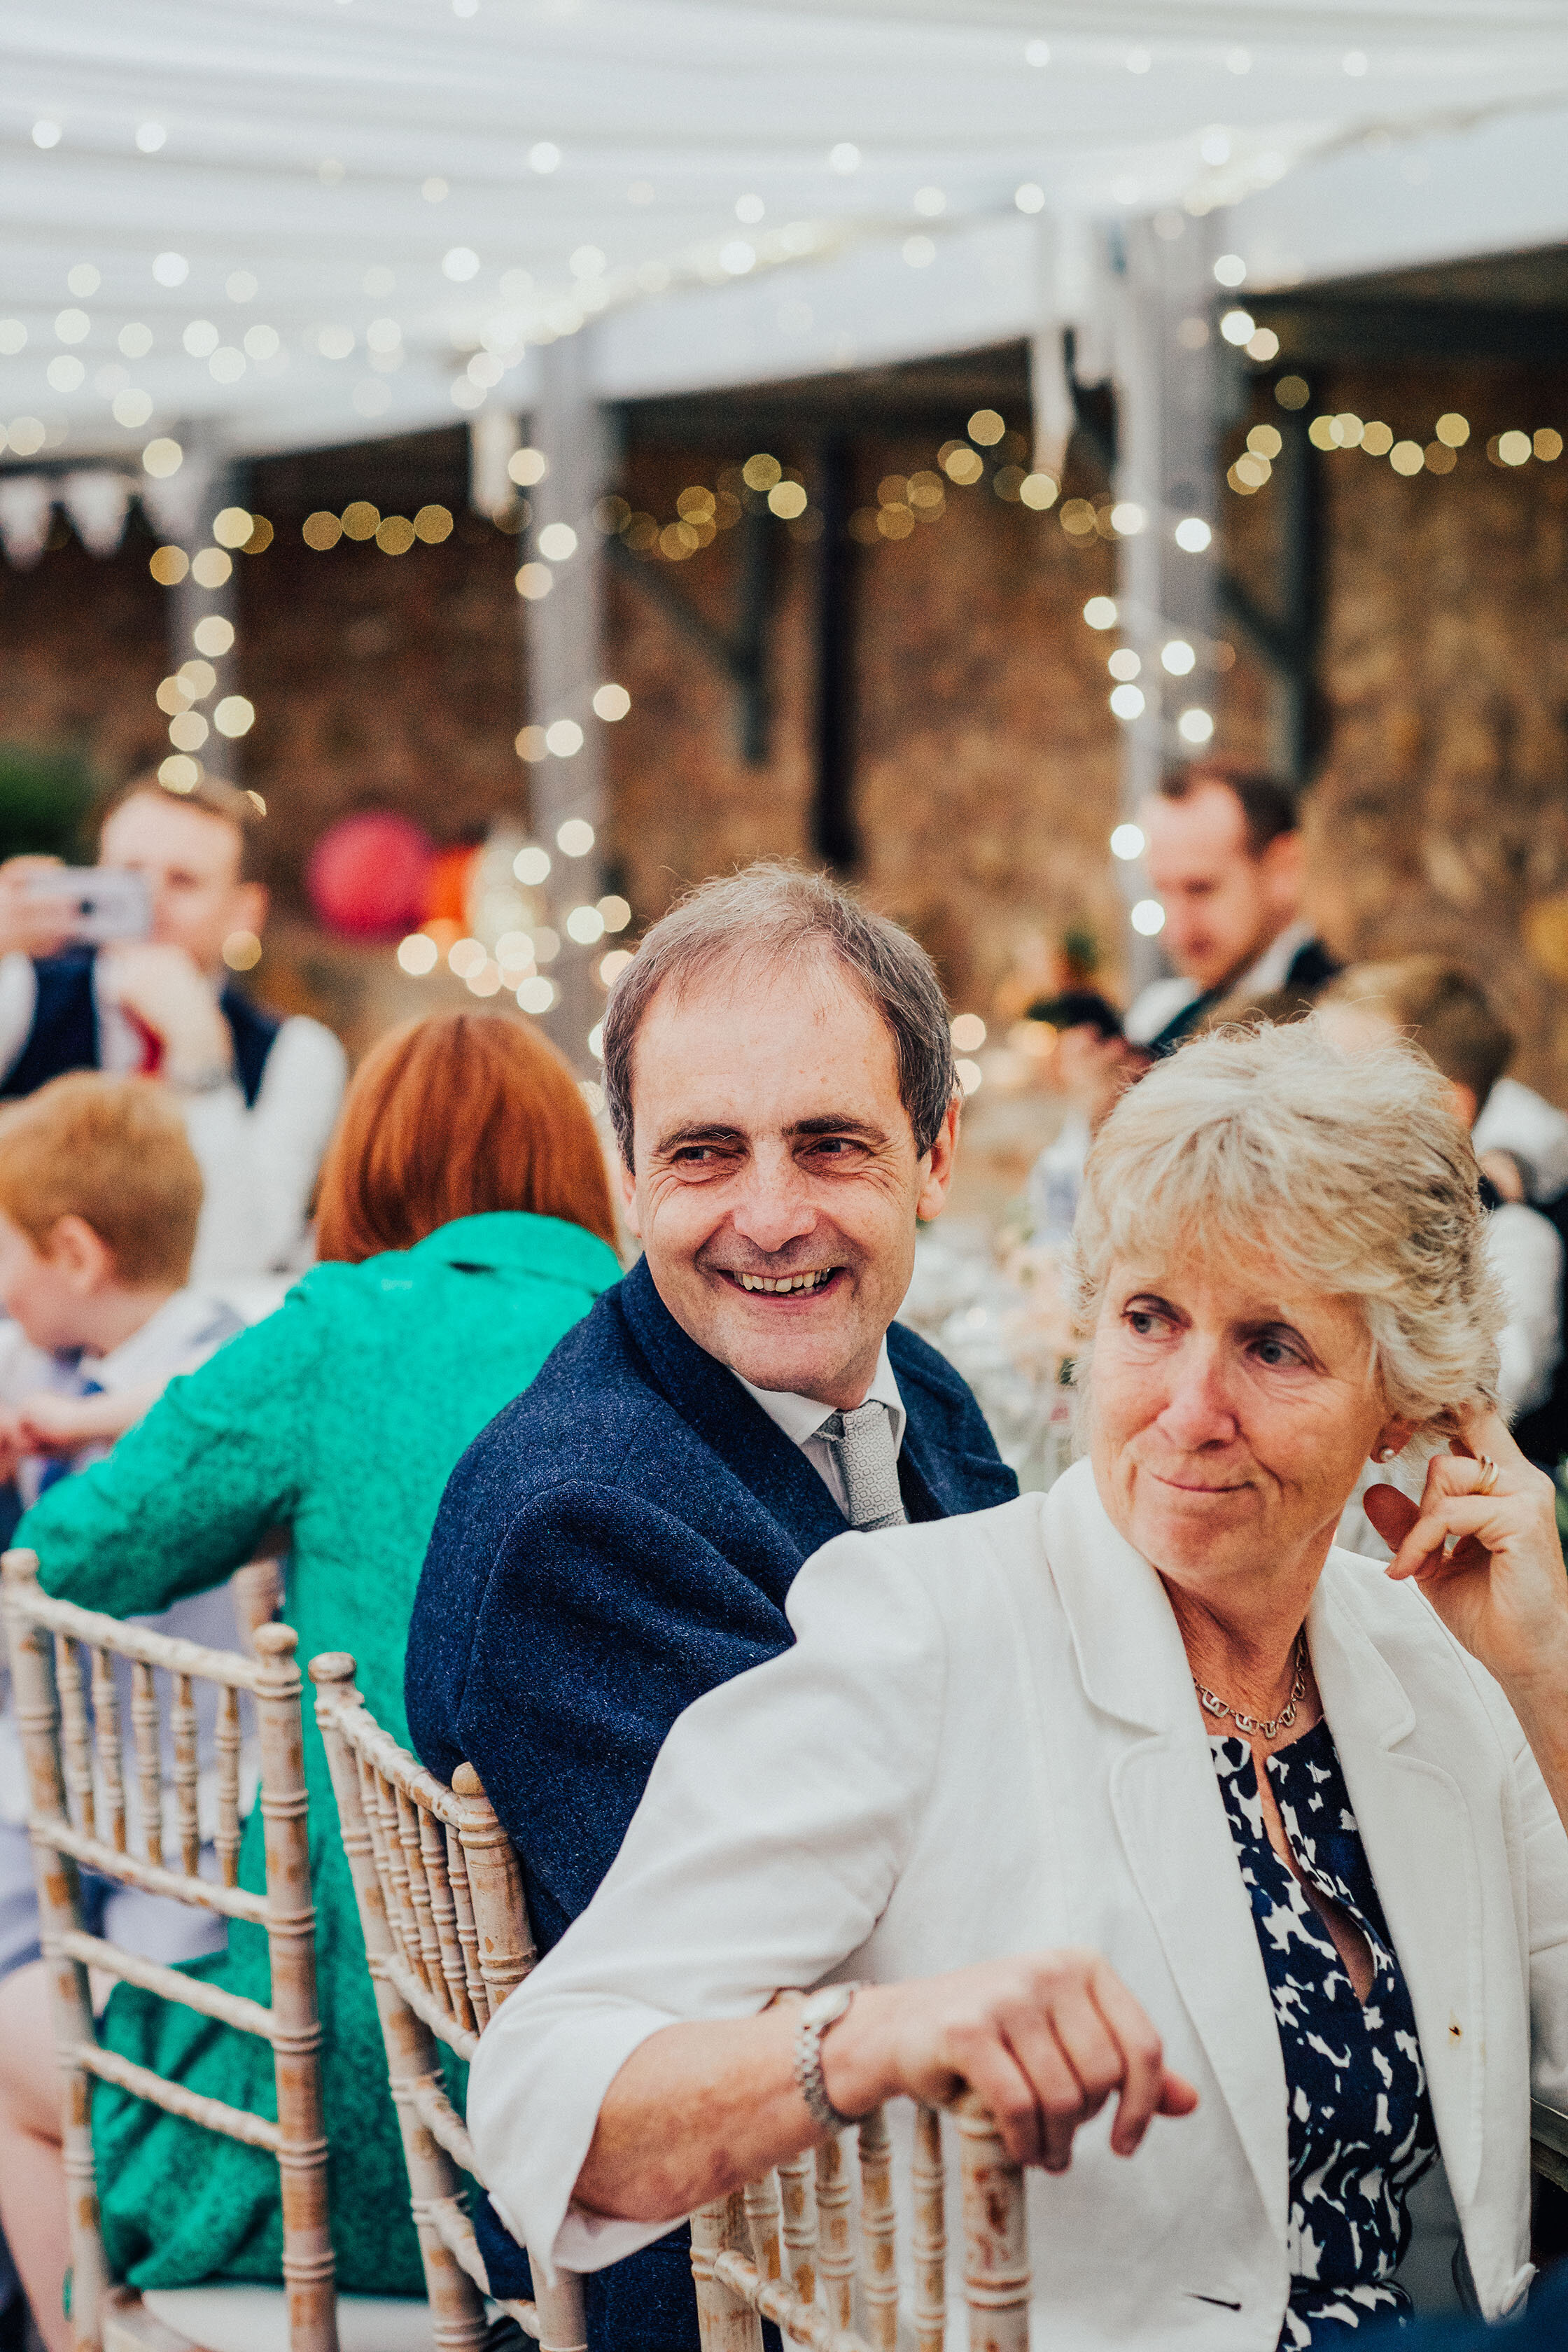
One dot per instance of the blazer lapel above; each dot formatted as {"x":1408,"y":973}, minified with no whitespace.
{"x":1171,"y":1817}
{"x":1408,"y":1809}
{"x":710,"y":1399}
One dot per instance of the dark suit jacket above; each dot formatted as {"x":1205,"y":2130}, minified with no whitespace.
{"x":620,"y":1540}
{"x":1311,"y":966}
{"x":64,"y":1035}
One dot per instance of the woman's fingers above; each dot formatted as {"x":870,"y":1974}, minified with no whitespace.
{"x":1455,"y":1528}
{"x":1071,"y":2059}
{"x":1044,"y":2041}
{"x":1015,"y":2096}
{"x":1145,"y":2081}
{"x":1484,"y":1431}
{"x":1391,"y":1513}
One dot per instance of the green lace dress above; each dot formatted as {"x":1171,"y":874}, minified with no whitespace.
{"x":340,"y":1418}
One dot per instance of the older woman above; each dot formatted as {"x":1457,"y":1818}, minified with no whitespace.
{"x":1137,"y":1791}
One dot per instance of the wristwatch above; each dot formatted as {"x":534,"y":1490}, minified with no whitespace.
{"x":819,"y":2011}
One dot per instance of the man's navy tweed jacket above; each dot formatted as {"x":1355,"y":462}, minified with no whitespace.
{"x":620,"y":1540}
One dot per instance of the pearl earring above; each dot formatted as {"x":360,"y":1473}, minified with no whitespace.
{"x":1386,"y":1453}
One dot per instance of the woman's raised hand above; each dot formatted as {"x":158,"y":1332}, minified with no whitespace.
{"x":1490,"y":1562}
{"x":1044,"y":2040}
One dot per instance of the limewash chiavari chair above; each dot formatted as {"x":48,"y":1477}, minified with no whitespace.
{"x":88,"y":1809}
{"x":781,"y":2248}
{"x":446,"y":1935}
{"x":784,"y":2248}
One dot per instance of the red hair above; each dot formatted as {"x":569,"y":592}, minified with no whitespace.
{"x":450,"y":1116}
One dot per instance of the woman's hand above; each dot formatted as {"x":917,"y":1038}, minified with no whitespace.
{"x":1044,"y":2040}
{"x":1490,"y":1564}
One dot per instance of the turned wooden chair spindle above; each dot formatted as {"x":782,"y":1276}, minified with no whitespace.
{"x":784,"y":2247}
{"x":447,"y":1937}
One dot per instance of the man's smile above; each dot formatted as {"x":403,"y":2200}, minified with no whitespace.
{"x":809,"y":1282}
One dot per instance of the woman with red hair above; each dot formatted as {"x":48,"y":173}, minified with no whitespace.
{"x":464,"y":1225}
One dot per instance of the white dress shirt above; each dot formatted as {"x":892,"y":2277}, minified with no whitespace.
{"x":983,"y":1741}
{"x":1515,"y":1119}
{"x":258,"y":1163}
{"x":801,"y":1419}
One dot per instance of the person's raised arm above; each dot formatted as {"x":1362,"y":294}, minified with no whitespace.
{"x":1482,"y":1545}
{"x":187,"y":1494}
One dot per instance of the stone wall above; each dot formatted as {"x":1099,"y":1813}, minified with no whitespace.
{"x":985,"y":758}
{"x":1439,"y":820}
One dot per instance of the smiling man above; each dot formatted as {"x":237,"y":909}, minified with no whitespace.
{"x":779,"y":1069}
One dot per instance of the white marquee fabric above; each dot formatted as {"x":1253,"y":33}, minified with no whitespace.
{"x":297,"y":222}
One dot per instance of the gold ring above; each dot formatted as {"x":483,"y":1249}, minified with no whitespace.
{"x":1488,"y":1478}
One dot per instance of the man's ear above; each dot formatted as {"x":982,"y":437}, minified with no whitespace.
{"x":628,"y":1183}
{"x":79,"y":1256}
{"x":938,"y":1164}
{"x":252,"y":905}
{"x":1283,"y":863}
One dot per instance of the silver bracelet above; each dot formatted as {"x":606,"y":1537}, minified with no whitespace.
{"x":817,"y":2013}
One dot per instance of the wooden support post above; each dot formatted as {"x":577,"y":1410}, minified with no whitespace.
{"x":1168,"y":389}
{"x":835,"y":836}
{"x":562,"y":642}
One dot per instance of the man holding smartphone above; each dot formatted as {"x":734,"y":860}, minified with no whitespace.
{"x":131,"y":977}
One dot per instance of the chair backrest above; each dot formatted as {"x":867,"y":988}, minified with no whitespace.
{"x":785,"y":2247}
{"x":446,"y":1935}
{"x":80,"y":1777}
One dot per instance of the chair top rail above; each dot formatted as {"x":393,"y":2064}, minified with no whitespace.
{"x":1549,"y":2125}
{"x":170,"y":1984}
{"x":424,"y":2005}
{"x":130,"y":1870}
{"x":22,"y":1595}
{"x":352,"y":1719}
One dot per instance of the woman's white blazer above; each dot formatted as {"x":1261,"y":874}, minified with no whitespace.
{"x":985,"y":1741}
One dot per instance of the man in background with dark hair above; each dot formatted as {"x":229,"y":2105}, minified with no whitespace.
{"x":1225,"y":860}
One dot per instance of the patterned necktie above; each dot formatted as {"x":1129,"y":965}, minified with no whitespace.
{"x":862,"y":1442}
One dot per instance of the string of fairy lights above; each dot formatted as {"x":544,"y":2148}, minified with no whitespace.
{"x":519,"y":940}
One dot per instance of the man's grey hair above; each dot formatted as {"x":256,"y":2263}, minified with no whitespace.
{"x":764,"y":920}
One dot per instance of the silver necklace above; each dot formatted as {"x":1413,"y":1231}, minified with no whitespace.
{"x":1214,"y":1705}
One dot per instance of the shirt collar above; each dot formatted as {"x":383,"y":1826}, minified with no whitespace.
{"x":185,"y":1328}
{"x":801,"y":1417}
{"x":1272,"y":969}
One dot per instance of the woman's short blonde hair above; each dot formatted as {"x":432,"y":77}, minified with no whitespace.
{"x":1349,"y":1170}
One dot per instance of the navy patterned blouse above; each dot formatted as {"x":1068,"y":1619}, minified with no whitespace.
{"x":1361,"y":2132}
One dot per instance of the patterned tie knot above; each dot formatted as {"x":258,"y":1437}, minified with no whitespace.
{"x":862,"y":1440}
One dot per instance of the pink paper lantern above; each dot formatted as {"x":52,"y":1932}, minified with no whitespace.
{"x":369,"y":875}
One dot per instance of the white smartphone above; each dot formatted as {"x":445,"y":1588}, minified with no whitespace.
{"x":96,"y":903}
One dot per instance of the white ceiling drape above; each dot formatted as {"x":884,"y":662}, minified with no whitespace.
{"x":290,"y":222}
